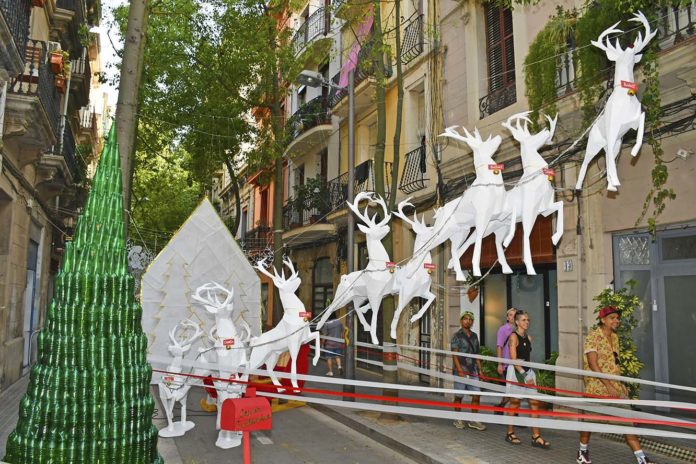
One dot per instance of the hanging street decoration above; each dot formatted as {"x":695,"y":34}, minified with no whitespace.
{"x":623,"y":110}
{"x":291,"y":332}
{"x":88,"y":399}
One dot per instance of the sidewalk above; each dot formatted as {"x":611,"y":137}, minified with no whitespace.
{"x":437,"y":441}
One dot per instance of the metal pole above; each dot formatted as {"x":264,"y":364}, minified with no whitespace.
{"x":350,"y":320}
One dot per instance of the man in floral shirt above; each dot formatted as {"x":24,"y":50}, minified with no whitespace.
{"x":602,"y":354}
{"x":466,"y":341}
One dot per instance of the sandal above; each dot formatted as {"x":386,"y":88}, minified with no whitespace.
{"x":512,"y":438}
{"x":540,"y":444}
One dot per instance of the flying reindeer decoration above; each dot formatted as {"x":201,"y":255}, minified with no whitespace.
{"x":291,"y":332}
{"x":623,"y":109}
{"x":484,"y":201}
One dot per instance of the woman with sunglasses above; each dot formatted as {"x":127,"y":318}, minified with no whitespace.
{"x":521,"y":348}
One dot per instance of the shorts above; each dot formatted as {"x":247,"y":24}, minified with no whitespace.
{"x":333,"y":352}
{"x":465,"y":386}
{"x":512,"y":381}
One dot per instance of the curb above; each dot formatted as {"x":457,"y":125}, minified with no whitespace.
{"x":668,"y":449}
{"x":380,"y":438}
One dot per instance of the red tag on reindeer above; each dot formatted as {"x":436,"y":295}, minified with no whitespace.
{"x":631,"y":86}
{"x":168,"y":380}
{"x":232,"y":377}
{"x":549,"y":173}
{"x":306,"y":315}
{"x":228,"y":343}
{"x":429,"y":266}
{"x":496,"y":168}
{"x":391,"y":265}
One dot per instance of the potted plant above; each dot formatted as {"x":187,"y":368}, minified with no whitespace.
{"x":58,"y":59}
{"x":298,"y":205}
{"x":60,"y":83}
{"x":318,"y":198}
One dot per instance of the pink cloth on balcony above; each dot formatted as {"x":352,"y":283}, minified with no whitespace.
{"x":361,"y":33}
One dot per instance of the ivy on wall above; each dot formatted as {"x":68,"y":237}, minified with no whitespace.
{"x":570,"y":32}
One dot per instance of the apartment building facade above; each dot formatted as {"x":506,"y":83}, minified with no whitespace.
{"x":50,"y":134}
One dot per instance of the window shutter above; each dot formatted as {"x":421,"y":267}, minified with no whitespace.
{"x":500,"y":46}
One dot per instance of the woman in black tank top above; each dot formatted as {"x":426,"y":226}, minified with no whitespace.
{"x":518,"y":376}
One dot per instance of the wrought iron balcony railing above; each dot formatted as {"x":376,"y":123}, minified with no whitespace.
{"x":16,"y":14}
{"x":364,"y":182}
{"x":257,"y":239}
{"x":69,"y":153}
{"x":81,"y":69}
{"x":38,"y":80}
{"x":308,"y":116}
{"x":412,"y":45}
{"x":317,"y":24}
{"x":415,"y":167}
{"x":497,"y":100}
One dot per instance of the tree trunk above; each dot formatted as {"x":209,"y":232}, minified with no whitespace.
{"x":237,"y":199}
{"x":399,"y":107}
{"x":127,"y":105}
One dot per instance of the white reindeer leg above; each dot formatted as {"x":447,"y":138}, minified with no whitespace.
{"x":360,"y":311}
{"x":182,"y":402}
{"x":375,"y":302}
{"x":481,"y":223}
{"x":294,"y":350}
{"x":527,"y":226}
{"x":270,"y":365}
{"x":612,"y":174}
{"x":556,"y":207}
{"x":403,"y":301}
{"x":499,"y":238}
{"x":639,"y":134}
{"x":460,"y":251}
{"x":430,"y":298}
{"x":317,"y":346}
{"x":595,"y":142}
{"x":513,"y":228}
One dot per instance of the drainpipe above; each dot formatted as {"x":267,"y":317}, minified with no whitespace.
{"x":581,"y":318}
{"x":3,"y":101}
{"x":64,"y":114}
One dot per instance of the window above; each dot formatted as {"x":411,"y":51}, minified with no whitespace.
{"x":501,"y":60}
{"x":322,"y":288}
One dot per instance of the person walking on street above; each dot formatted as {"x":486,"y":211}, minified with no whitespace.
{"x":602,"y":353}
{"x":502,"y":349}
{"x":521,"y":348}
{"x":466,"y":341}
{"x":333,"y":349}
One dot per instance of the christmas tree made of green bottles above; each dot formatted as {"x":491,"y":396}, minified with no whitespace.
{"x":88,"y":399}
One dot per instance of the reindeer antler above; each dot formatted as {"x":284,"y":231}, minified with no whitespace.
{"x":415,"y":223}
{"x":473,"y":141}
{"x":641,"y":42}
{"x":211,"y":301}
{"x":552,"y":127}
{"x":365,"y":216}
{"x":518,"y":132}
{"x":293,"y":272}
{"x":261,"y":266}
{"x":380,"y":201}
{"x":612,"y":51}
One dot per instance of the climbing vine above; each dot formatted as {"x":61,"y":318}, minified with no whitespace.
{"x":568,"y":33}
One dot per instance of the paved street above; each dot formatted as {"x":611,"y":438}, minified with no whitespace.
{"x":299,"y":435}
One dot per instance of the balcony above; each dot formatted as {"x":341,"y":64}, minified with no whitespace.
{"x":364,"y":182}
{"x":70,"y":14}
{"x":316,"y":25}
{"x":497,"y":100}
{"x":308,"y":127}
{"x":415,"y":167}
{"x":87,"y":132}
{"x":412,"y":45}
{"x":33,"y":102}
{"x":14,"y":30}
{"x":304,"y":215}
{"x":80,"y":81}
{"x":257,"y":241}
{"x":364,"y":95}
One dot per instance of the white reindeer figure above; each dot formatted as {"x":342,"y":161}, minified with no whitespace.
{"x":482,"y":202}
{"x":174,"y":388}
{"x":623,"y":110}
{"x":230,"y":350}
{"x":291,"y":332}
{"x":533,"y":194}
{"x":413,"y":279}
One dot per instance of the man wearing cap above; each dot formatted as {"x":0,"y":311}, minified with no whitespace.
{"x":466,"y":341}
{"x":602,"y":354}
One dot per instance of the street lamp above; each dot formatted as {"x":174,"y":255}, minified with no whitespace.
{"x":316,"y":79}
